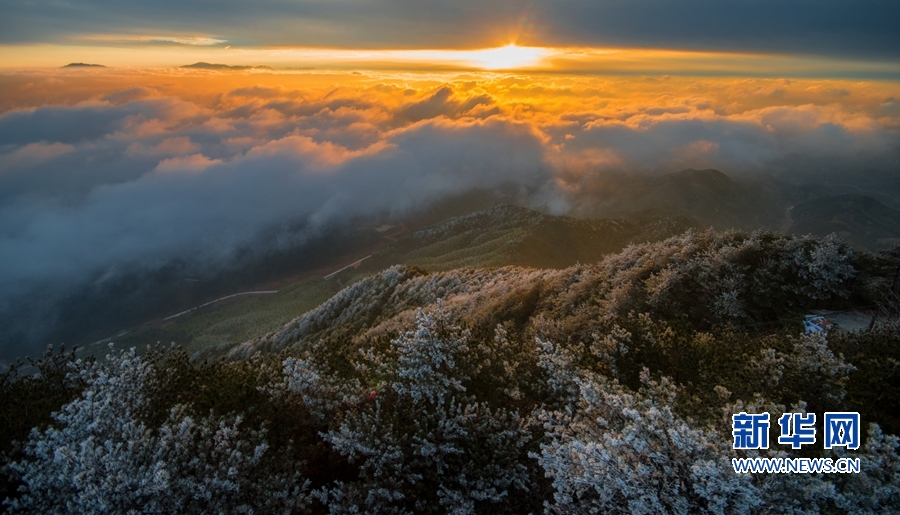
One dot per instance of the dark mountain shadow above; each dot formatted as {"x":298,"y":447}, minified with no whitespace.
{"x":861,"y":220}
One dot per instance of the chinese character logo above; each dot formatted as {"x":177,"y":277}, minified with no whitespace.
{"x":750,"y":431}
{"x":797,"y":429}
{"x":842,"y":429}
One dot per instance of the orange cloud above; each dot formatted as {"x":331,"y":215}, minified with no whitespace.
{"x":119,"y":160}
{"x":170,"y":146}
{"x":34,"y":153}
{"x":643,"y":120}
{"x":188,"y":164}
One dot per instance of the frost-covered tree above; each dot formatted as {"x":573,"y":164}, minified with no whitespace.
{"x":421,"y":443}
{"x":621,"y":452}
{"x":384,"y":403}
{"x":100,"y":457}
{"x":877,"y":488}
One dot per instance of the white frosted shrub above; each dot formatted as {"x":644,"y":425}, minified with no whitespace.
{"x":876,"y":489}
{"x":825,"y":266}
{"x":99,"y":457}
{"x":422,"y":444}
{"x":629,"y":453}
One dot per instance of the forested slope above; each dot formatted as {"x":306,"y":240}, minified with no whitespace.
{"x":707,"y":278}
{"x":604,"y":387}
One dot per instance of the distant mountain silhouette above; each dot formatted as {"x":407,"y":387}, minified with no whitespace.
{"x":83,"y":65}
{"x":709,"y":196}
{"x":861,"y":220}
{"x":215,"y":66}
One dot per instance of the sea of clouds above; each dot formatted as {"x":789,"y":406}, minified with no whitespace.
{"x":99,"y":170}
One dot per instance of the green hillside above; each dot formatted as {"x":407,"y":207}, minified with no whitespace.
{"x":227,"y":322}
{"x":511,"y":235}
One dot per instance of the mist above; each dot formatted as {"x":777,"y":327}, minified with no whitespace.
{"x":123,"y":179}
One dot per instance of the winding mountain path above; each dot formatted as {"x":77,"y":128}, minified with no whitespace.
{"x":219,"y":299}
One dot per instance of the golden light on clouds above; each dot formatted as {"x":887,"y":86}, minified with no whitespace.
{"x":238,"y":151}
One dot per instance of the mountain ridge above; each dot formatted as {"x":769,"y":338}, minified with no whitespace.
{"x":709,"y":196}
{"x":685,"y":276}
{"x":862,"y":220}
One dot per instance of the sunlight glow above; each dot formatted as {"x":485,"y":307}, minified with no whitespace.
{"x":501,"y":58}
{"x":160,"y":51}
{"x":504,"y":58}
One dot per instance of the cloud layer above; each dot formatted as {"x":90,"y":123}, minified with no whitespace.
{"x":120,"y":168}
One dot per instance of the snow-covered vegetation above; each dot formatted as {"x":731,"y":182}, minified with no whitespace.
{"x":602,"y":388}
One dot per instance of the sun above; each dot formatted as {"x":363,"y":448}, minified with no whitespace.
{"x":499,"y":58}
{"x":509,"y":56}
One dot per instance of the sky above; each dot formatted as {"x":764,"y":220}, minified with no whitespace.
{"x":386,"y":106}
{"x":860,"y":28}
{"x":851,"y":37}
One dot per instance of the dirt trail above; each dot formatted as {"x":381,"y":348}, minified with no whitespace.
{"x":176,"y":315}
